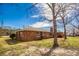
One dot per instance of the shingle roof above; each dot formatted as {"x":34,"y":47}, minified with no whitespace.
{"x":34,"y":29}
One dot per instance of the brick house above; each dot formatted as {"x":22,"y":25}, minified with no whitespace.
{"x":30,"y":34}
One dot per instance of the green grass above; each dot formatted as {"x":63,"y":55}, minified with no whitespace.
{"x":71,"y":41}
{"x":47,"y":43}
{"x":3,"y":41}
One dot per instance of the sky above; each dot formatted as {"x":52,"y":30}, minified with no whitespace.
{"x":18,"y":15}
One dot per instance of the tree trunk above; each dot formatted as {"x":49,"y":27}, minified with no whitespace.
{"x":54,"y":26}
{"x":65,"y":36}
{"x":73,"y":32}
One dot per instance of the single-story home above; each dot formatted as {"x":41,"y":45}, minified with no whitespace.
{"x":30,"y":34}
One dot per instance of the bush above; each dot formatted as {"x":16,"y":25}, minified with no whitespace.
{"x":13,"y":36}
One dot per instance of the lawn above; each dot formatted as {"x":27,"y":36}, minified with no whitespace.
{"x":7,"y":45}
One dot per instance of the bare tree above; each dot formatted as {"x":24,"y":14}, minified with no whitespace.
{"x":75,"y":22}
{"x":63,"y":14}
{"x":54,"y":7}
{"x":55,"y":12}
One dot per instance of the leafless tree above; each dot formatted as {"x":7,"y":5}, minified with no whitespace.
{"x":65,"y":10}
{"x":55,"y":11}
{"x":75,"y":22}
{"x":54,"y":8}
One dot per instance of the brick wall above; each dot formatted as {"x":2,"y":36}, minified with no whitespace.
{"x":31,"y":35}
{"x":35,"y":35}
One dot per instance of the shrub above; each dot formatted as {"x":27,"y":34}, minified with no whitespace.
{"x":13,"y":36}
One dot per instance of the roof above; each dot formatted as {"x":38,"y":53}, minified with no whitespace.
{"x":34,"y":29}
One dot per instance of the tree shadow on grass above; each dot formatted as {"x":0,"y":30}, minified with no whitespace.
{"x":12,"y":42}
{"x":48,"y":53}
{"x":15,"y":41}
